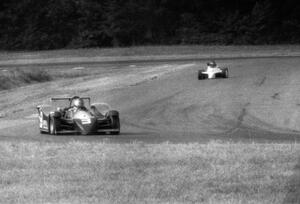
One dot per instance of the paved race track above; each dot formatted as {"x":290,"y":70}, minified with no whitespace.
{"x":165,"y":102}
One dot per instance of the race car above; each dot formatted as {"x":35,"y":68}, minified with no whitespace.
{"x":213,"y":71}
{"x":77,"y":118}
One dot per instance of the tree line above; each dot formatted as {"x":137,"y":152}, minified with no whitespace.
{"x":54,"y":24}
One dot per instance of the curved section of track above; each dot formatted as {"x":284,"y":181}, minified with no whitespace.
{"x":259,"y":102}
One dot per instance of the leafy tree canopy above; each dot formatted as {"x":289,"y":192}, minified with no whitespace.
{"x":53,"y":24}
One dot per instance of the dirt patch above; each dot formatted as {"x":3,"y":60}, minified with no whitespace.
{"x":262,"y":81}
{"x":242,"y":115}
{"x":276,"y":96}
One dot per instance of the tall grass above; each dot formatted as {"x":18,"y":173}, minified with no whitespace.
{"x":79,"y":172}
{"x":18,"y":77}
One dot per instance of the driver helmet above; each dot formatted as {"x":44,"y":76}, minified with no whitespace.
{"x":78,"y":103}
{"x":212,"y":64}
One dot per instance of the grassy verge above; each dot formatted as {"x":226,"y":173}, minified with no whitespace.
{"x":140,"y":173}
{"x":18,"y":77}
{"x":151,"y":50}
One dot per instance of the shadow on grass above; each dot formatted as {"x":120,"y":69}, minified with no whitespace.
{"x":293,"y":187}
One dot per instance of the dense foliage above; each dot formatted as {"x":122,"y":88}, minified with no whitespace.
{"x":50,"y":24}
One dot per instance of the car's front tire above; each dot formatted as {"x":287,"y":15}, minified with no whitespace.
{"x":52,"y":127}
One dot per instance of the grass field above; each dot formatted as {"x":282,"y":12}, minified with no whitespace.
{"x":216,"y":172}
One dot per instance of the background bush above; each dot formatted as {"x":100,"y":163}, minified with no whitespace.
{"x":53,"y":24}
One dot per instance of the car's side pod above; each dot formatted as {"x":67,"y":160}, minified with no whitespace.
{"x":113,"y":113}
{"x":56,"y":114}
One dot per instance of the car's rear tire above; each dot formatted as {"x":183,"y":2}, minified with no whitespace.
{"x":200,"y":75}
{"x":52,"y":127}
{"x":115,"y":125}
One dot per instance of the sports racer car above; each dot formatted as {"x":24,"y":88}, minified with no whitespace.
{"x":77,"y":118}
{"x":213,"y":71}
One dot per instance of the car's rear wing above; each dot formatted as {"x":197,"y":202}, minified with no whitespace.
{"x":70,"y":99}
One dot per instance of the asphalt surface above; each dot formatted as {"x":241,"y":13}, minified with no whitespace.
{"x":165,"y":102}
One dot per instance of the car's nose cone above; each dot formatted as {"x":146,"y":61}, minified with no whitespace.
{"x":85,"y":126}
{"x":84,"y":121}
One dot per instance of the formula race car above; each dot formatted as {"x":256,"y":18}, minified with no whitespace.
{"x":77,"y":118}
{"x":213,"y":71}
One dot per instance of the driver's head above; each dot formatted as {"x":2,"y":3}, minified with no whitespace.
{"x":78,"y":102}
{"x":212,"y":63}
